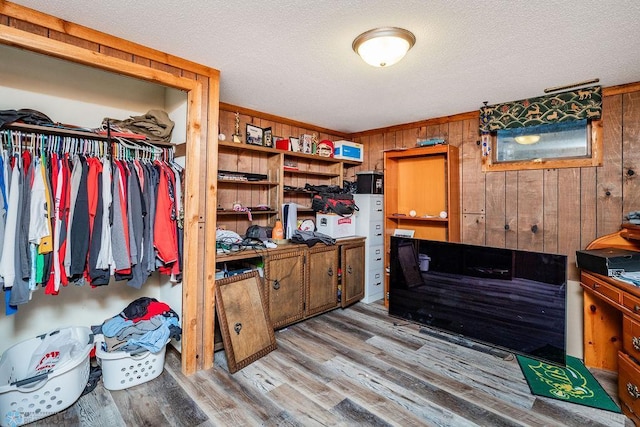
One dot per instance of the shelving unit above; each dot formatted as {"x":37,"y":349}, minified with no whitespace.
{"x":287,"y":174}
{"x":425,"y":180}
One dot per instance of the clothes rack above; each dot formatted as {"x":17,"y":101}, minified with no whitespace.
{"x":87,"y":193}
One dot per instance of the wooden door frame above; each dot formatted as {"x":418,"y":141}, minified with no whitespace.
{"x":197,"y":307}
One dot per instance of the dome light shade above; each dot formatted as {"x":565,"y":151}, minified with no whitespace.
{"x":383,"y":47}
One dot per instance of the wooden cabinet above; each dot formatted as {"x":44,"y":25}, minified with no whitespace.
{"x":422,"y":194}
{"x":322,"y":279}
{"x":352,"y":265}
{"x":284,"y":286}
{"x":612,"y":323}
{"x":301,"y":282}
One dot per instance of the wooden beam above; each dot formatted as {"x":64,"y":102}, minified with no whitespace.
{"x":211,"y":197}
{"x":22,"y":39}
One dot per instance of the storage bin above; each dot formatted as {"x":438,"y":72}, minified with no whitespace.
{"x":122,"y":370}
{"x":25,"y":398}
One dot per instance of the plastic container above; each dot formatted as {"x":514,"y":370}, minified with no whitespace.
{"x":27,"y":399}
{"x":122,"y":370}
{"x":424,"y":262}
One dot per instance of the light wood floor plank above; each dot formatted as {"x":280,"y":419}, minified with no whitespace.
{"x":352,"y":367}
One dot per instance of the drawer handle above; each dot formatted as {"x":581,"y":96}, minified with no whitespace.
{"x":330,"y":272}
{"x":635,"y":341}
{"x":595,"y":286}
{"x":633,"y":391}
{"x":636,"y":308}
{"x":276,"y":284}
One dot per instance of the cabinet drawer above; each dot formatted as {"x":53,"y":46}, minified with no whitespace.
{"x":629,"y":382}
{"x":602,"y":288}
{"x":375,"y":256}
{"x":631,"y":337}
{"x":631,"y":302}
{"x":376,"y":233}
{"x":377,"y":206}
{"x":374,"y":278}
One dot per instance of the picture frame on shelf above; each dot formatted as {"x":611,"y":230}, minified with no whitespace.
{"x":267,"y":137}
{"x":254,"y":134}
{"x":306,"y":143}
{"x":295,"y":143}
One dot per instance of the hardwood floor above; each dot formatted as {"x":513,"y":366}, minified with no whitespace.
{"x":348,"y":367}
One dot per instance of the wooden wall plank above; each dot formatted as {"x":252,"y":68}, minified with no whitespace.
{"x":208,"y":249}
{"x":511,"y":209}
{"x":631,"y":152}
{"x":473,"y":226}
{"x":530,"y":210}
{"x":376,"y":161}
{"x":495,"y":218}
{"x":473,"y":179}
{"x":550,"y":211}
{"x":588,"y":201}
{"x":569,"y":218}
{"x":609,"y":176}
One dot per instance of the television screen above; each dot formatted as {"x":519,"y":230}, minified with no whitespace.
{"x":506,"y":298}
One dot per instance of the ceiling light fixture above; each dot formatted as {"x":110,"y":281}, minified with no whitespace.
{"x":527,"y":139}
{"x":383,"y":47}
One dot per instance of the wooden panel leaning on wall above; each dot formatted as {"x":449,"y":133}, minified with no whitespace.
{"x":35,"y":31}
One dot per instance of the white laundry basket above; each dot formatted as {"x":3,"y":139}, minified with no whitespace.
{"x":27,"y":399}
{"x":122,"y":370}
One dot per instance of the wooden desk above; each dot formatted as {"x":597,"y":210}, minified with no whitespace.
{"x":612,"y":323}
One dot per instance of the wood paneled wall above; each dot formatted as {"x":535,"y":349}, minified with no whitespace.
{"x":550,"y":210}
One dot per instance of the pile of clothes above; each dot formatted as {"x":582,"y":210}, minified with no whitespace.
{"x":144,"y":325}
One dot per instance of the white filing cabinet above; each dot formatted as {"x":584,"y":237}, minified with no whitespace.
{"x":369,"y":223}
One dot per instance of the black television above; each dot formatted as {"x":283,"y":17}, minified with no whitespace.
{"x":510,"y":299}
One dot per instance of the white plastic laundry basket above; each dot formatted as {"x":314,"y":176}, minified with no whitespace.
{"x":27,"y":399}
{"x":122,"y":370}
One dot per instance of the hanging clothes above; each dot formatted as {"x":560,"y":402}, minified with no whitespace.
{"x":71,"y":213}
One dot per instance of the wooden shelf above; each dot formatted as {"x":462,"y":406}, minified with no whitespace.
{"x":240,"y":182}
{"x":240,"y":146}
{"x":312,"y":173}
{"x":254,"y":213}
{"x":409,"y":218}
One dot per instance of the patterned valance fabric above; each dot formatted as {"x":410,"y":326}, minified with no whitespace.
{"x":577,"y":104}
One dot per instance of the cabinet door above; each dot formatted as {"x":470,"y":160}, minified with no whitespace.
{"x":322,"y":279}
{"x":284,"y":287}
{"x":352,"y":273}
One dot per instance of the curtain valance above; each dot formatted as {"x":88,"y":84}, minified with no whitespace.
{"x":577,"y":104}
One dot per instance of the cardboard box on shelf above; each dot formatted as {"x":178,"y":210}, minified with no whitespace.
{"x":347,"y":150}
{"x":336,"y":226}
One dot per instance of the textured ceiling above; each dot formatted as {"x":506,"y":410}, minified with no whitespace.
{"x":293,"y":58}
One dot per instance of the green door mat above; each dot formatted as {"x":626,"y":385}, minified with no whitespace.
{"x":573,"y":384}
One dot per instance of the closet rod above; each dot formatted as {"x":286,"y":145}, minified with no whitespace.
{"x":102,"y":136}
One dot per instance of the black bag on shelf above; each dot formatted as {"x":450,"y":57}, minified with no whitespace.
{"x":341,"y":204}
